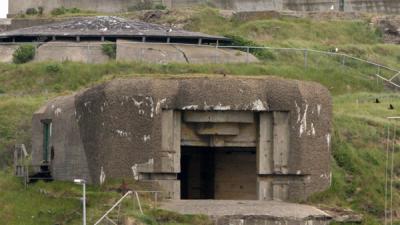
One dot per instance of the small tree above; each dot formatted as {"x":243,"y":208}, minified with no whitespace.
{"x":24,"y":53}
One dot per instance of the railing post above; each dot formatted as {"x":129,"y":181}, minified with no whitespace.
{"x":138,"y":200}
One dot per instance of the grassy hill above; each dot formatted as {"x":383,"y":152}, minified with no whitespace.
{"x":358,"y":142}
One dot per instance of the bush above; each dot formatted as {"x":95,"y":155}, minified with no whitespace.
{"x":53,"y":68}
{"x":110,"y":50}
{"x":263,"y":54}
{"x":24,"y":53}
{"x":63,"y":10}
{"x":31,"y":11}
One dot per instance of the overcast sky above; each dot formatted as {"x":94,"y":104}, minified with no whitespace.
{"x":3,"y":8}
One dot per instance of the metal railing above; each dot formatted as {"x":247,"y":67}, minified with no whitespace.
{"x":135,"y":197}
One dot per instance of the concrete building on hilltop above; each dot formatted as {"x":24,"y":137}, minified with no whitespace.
{"x":197,"y":138}
{"x":115,"y":6}
{"x":83,"y":39}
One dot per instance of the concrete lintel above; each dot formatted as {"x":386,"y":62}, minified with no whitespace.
{"x":218,"y":117}
{"x":218,"y":129}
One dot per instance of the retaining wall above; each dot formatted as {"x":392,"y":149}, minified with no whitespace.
{"x":91,"y":52}
{"x":373,"y":6}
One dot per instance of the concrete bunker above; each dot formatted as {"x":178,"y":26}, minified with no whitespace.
{"x":197,"y":138}
{"x":83,"y":40}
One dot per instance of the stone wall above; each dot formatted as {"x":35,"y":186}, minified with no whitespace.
{"x":373,"y":6}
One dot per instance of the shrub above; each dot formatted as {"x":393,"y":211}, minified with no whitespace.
{"x":31,"y":11}
{"x":62,"y":10}
{"x":53,"y":68}
{"x":24,"y":53}
{"x":262,"y":54}
{"x":110,"y":50}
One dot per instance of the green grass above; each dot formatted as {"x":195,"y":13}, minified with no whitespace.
{"x":358,"y":140}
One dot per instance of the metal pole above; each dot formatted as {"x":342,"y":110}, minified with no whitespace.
{"x":84,"y":203}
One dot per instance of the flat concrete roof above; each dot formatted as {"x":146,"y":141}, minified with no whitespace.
{"x":106,"y":26}
{"x":267,"y":209}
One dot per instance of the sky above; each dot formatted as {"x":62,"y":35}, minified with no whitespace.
{"x":3,"y":8}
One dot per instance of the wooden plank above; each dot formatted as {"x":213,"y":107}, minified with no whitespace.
{"x":265,"y":144}
{"x":281,"y":141}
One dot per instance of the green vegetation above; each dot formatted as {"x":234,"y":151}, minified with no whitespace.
{"x":24,"y":54}
{"x":62,"y":11}
{"x":359,"y":126}
{"x":34,"y":11}
{"x":109,"y":49}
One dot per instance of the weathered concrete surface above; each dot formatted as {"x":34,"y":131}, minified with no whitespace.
{"x":375,"y":6}
{"x":163,"y":53}
{"x":106,"y":26}
{"x":128,"y":126}
{"x":91,"y":52}
{"x":250,"y":212}
{"x":6,"y":52}
{"x":69,"y":160}
{"x":59,"y":51}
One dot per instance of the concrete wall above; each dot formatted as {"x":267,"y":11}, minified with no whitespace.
{"x":372,"y":6}
{"x":87,"y":52}
{"x":20,"y":6}
{"x":131,"y":127}
{"x":242,"y":184}
{"x":91,"y":52}
{"x":376,"y":6}
{"x":6,"y":53}
{"x":162,"y":53}
{"x":70,"y":160}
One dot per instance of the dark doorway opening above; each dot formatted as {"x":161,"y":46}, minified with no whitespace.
{"x":218,"y":173}
{"x":197,"y":173}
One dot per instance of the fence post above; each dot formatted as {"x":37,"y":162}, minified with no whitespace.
{"x":247,"y":55}
{"x":305,"y":58}
{"x":378,"y":72}
{"x":343,"y":60}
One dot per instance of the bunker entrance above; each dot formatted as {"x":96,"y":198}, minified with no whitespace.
{"x":218,"y":173}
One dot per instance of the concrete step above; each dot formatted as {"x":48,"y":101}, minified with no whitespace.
{"x":237,"y":212}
